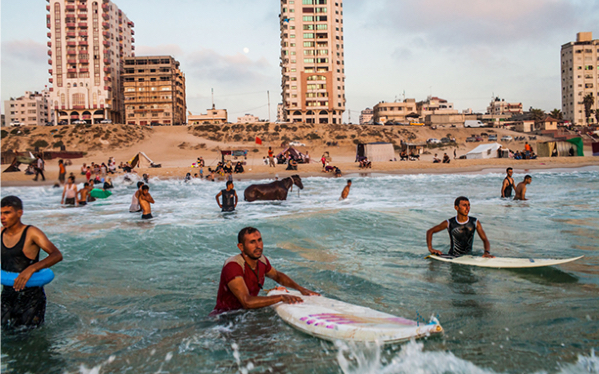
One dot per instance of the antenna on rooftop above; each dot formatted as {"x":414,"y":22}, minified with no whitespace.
{"x":212,"y":89}
{"x":268,"y":96}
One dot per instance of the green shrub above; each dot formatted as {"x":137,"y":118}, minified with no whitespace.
{"x":58,"y":144}
{"x":40,"y":144}
{"x":57,"y":136}
{"x":4,"y":134}
{"x":312,"y":136}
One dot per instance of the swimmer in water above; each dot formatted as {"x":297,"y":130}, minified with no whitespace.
{"x":243,"y":275}
{"x":461,"y":230}
{"x":135,"y":207}
{"x":521,"y":188}
{"x":345,"y":191}
{"x":21,"y":246}
{"x":83,"y":194}
{"x":145,"y":199}
{"x":229,"y":198}
{"x":69,"y":193}
{"x":508,"y":183}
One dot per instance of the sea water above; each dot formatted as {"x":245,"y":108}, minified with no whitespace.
{"x":133,"y":296}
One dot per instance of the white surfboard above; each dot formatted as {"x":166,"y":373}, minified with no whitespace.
{"x":503,"y":262}
{"x":332,"y":320}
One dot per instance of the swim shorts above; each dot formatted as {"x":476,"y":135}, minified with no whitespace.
{"x":146,"y":216}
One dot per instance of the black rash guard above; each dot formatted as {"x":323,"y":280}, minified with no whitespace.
{"x":507,"y":192}
{"x":26,"y":307}
{"x":461,"y":236}
{"x":228,"y":200}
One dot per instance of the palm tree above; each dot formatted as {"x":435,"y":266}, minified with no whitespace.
{"x":557,"y":114}
{"x":588,"y":102}
{"x":537,"y":114}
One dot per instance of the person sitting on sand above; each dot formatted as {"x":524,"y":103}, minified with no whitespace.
{"x":337,"y":171}
{"x":242,"y":277}
{"x":414,"y":156}
{"x":436,"y":160}
{"x":446,"y":159}
{"x":461,"y":230}
{"x":403,"y":156}
{"x":239,"y":168}
{"x":291,"y":164}
{"x":145,"y":199}
{"x":521,"y":188}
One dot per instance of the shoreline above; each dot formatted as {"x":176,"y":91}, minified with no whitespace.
{"x":484,"y":168}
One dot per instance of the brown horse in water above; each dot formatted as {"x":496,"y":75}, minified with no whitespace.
{"x":276,"y":190}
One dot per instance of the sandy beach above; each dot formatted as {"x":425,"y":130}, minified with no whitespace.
{"x":176,"y":148}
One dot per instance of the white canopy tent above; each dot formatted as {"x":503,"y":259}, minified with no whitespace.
{"x":484,"y":151}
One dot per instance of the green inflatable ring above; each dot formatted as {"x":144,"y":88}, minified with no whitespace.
{"x":99,"y":193}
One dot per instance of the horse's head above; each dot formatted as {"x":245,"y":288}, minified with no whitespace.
{"x":297,"y":181}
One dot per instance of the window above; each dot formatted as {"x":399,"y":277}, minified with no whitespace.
{"x":308,"y":36}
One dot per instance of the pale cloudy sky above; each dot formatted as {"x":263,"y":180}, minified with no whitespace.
{"x":460,"y":50}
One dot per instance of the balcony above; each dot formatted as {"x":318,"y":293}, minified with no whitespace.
{"x":105,"y":7}
{"x":132,"y":40}
{"x":82,"y":7}
{"x":107,"y":88}
{"x":120,"y":29}
{"x":48,"y":25}
{"x":71,"y":25}
{"x":106,"y":34}
{"x":133,"y":47}
{"x":107,"y":79}
{"x":71,"y":34}
{"x":49,"y":53}
{"x":84,"y":70}
{"x":71,"y":61}
{"x":132,"y":32}
{"x":105,"y":1}
{"x":105,"y":25}
{"x":71,"y":52}
{"x":71,"y":70}
{"x":82,"y":16}
{"x":48,"y":8}
{"x":83,"y":42}
{"x":83,"y":25}
{"x":105,"y":16}
{"x":131,"y":24}
{"x":106,"y":43}
{"x":71,"y":44}
{"x":75,"y":116}
{"x":84,"y":61}
{"x":107,"y":61}
{"x":47,"y":18}
{"x":50,"y":80}
{"x":107,"y":70}
{"x":83,"y":33}
{"x":50,"y":70}
{"x":49,"y":35}
{"x":51,"y":89}
{"x":70,"y":7}
{"x":50,"y":44}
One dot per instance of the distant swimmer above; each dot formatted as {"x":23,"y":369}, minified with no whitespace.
{"x":461,"y":230}
{"x":135,"y":207}
{"x":20,"y":254}
{"x":83,"y":194}
{"x":521,"y":188}
{"x":508,"y":183}
{"x":345,"y":191}
{"x":230,"y":198}
{"x":69,"y":193}
{"x":145,"y":199}
{"x":243,"y":275}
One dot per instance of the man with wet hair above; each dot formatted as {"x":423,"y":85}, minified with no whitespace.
{"x":508,"y":183}
{"x":21,"y":244}
{"x":242,"y":277}
{"x":521,"y":188}
{"x":135,"y":207}
{"x":461,"y":230}
{"x":145,"y":199}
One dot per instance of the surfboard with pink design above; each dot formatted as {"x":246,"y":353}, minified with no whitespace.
{"x":332,"y":320}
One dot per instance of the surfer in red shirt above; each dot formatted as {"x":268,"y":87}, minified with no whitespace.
{"x":243,"y":276}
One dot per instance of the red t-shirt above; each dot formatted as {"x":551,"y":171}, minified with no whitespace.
{"x":225,"y":299}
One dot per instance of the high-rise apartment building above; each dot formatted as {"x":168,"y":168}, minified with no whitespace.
{"x":30,"y":109}
{"x":580,"y":66}
{"x":366,"y":116}
{"x":312,"y":60}
{"x":154,"y":89}
{"x":89,"y":40}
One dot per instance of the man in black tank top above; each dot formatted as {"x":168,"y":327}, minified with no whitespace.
{"x":461,"y":229}
{"x":229,"y":198}
{"x":508,"y":183}
{"x":21,"y":245}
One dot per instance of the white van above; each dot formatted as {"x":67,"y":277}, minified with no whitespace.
{"x":474,"y":123}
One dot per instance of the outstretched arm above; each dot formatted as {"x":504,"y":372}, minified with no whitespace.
{"x":241,"y":292}
{"x":429,"y":237}
{"x":284,"y":280}
{"x":217,"y":200}
{"x":483,"y":236}
{"x":54,"y":256}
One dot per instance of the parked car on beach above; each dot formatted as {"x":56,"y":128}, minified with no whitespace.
{"x":106,"y":121}
{"x":470,"y":139}
{"x":296,"y":144}
{"x":79,"y":122}
{"x":433,"y":141}
{"x":492,"y":138}
{"x":445,"y":140}
{"x":506,"y":138}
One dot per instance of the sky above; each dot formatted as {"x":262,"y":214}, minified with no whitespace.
{"x":464,"y":51}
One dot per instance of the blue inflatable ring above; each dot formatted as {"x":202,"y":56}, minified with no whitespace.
{"x":39,"y":278}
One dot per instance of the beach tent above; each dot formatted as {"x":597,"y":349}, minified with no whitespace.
{"x":379,"y":151}
{"x":141,"y":160}
{"x":563,"y":147}
{"x":484,"y":151}
{"x":295,"y":154}
{"x":234,"y":153}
